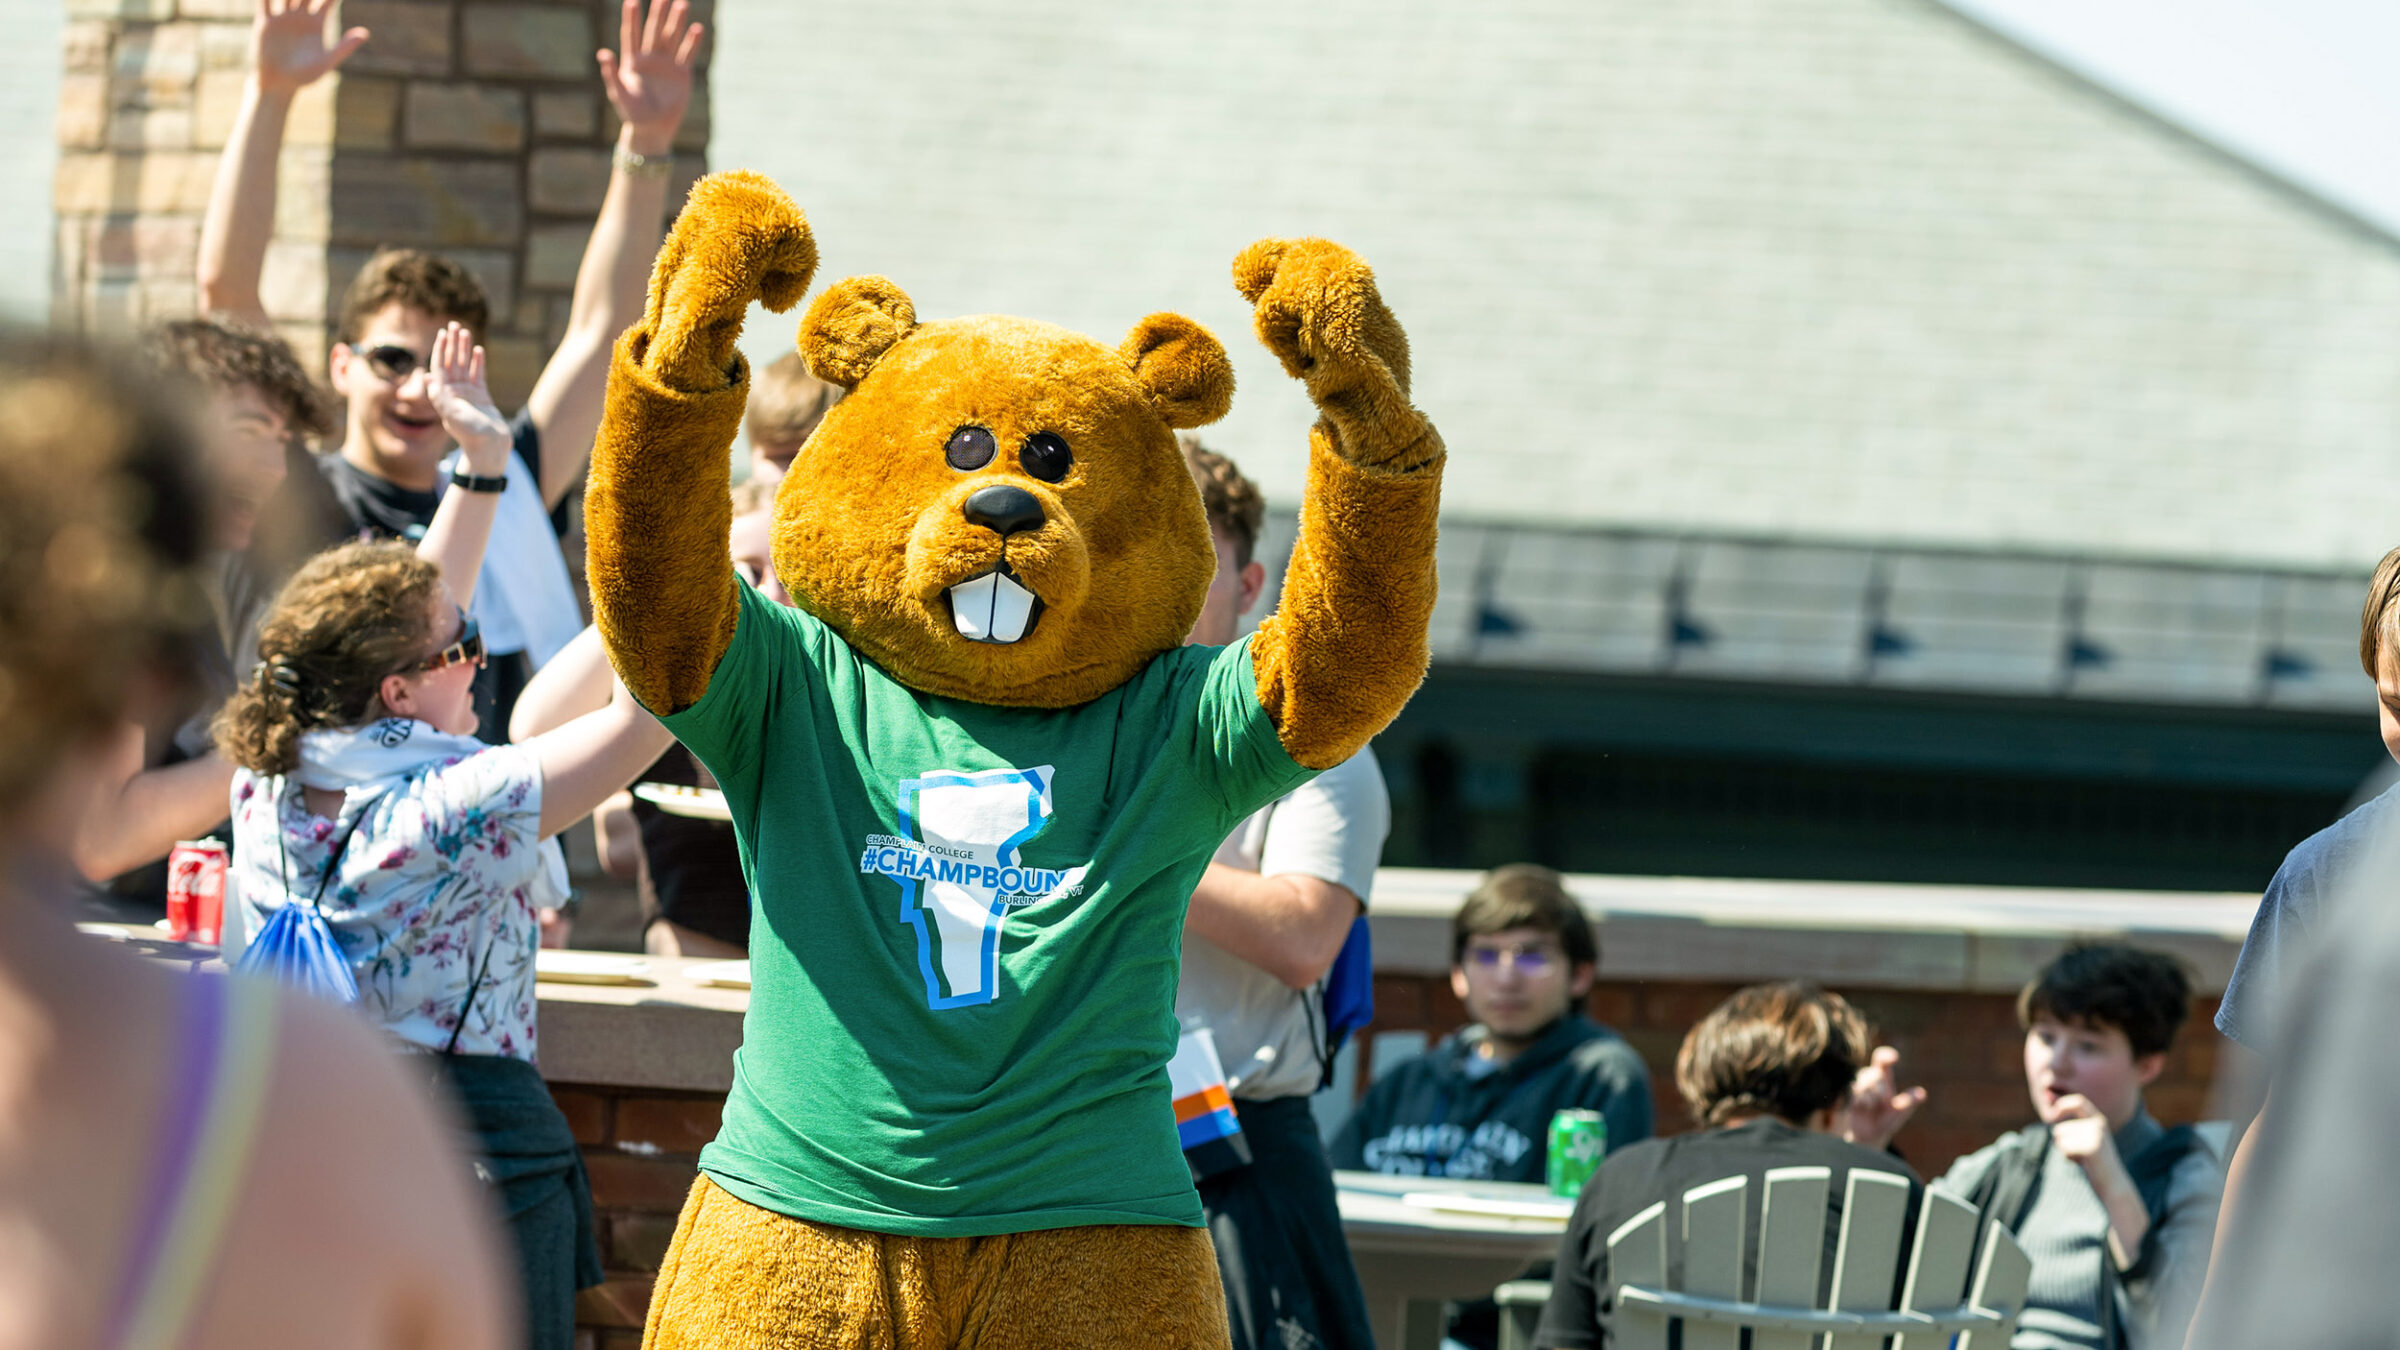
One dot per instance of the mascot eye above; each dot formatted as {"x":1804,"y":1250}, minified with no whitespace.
{"x":971,"y":448}
{"x":1046,"y":456}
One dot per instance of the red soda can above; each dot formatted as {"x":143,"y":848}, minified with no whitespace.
{"x":196,"y":892}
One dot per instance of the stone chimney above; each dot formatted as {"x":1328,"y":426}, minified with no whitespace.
{"x":473,"y":127}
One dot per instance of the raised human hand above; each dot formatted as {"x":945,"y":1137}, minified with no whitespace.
{"x":738,"y":239}
{"x":287,"y":44}
{"x":649,"y":77}
{"x":1878,"y":1105}
{"x":455,"y":383}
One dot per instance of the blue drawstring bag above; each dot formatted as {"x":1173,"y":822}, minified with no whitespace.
{"x":1349,"y":993}
{"x":296,"y":948}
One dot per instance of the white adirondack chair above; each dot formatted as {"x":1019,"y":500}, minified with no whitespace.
{"x":1936,"y":1302}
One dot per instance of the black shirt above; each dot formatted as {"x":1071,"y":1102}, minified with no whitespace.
{"x":1639,"y":1176}
{"x":379,"y":508}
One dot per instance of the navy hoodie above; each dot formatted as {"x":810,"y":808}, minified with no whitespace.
{"x":1432,"y":1116}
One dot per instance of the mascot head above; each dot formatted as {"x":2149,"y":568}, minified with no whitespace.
{"x":997,"y":510}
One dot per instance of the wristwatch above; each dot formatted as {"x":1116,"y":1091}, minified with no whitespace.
{"x":477,"y":482}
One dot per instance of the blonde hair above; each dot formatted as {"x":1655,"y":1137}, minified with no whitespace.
{"x":2379,"y":622}
{"x":352,"y":616}
{"x":752,"y":496}
{"x":1234,"y":503}
{"x":101,"y":523}
{"x":787,"y":402}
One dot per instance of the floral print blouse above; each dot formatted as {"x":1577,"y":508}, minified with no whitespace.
{"x":438,"y":885}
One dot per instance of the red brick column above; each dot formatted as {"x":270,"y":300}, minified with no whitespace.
{"x":643,"y":1150}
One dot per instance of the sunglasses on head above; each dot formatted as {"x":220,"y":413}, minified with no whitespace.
{"x":468,"y":648}
{"x":390,"y":361}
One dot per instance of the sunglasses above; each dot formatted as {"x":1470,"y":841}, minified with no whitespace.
{"x":469,"y":647}
{"x":390,"y":362}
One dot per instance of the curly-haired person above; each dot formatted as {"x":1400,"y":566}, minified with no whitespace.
{"x":174,"y":1147}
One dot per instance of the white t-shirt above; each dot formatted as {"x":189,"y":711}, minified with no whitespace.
{"x":1270,"y":1036}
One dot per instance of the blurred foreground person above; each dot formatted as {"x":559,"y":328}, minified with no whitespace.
{"x":2291,"y":915}
{"x":185,"y":1160}
{"x":2306,"y":1257}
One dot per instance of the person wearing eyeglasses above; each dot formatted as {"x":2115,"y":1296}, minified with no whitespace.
{"x":1478,"y":1105}
{"x":391,"y":465}
{"x":362,"y":791}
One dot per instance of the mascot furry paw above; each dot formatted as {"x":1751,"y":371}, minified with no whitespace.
{"x":974,"y":772}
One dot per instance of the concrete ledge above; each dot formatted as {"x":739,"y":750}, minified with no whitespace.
{"x":676,"y":1034}
{"x":673,"y":1034}
{"x":1981,"y":939}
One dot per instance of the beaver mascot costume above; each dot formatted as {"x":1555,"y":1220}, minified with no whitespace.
{"x":974,"y":772}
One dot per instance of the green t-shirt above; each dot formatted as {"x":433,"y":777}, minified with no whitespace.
{"x":968,"y":926}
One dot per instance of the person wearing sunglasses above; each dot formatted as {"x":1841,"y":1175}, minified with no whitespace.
{"x":362,"y":791}
{"x":392,"y":464}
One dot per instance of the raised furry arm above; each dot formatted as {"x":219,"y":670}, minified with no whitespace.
{"x":1346,"y":647}
{"x":657,"y":511}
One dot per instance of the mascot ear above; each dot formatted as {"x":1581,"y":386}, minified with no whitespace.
{"x":1183,"y":367}
{"x":852,"y":324}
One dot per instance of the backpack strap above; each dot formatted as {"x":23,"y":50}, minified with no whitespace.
{"x":2007,"y":1190}
{"x":2153,"y":1169}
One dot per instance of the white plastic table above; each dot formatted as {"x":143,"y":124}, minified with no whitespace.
{"x":1419,"y":1241}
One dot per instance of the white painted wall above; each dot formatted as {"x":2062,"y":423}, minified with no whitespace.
{"x":28,"y":153}
{"x":1853,"y":269}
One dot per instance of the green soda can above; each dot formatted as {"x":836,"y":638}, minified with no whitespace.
{"x":1578,"y":1141}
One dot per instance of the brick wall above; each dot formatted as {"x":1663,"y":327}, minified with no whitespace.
{"x":468,"y":126}
{"x":642,"y":1147}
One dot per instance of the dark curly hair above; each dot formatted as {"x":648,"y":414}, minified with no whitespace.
{"x":221,"y":355}
{"x":101,"y":525}
{"x":1787,"y":1050}
{"x":347,"y":619}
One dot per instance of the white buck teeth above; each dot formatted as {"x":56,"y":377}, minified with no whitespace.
{"x":991,"y":608}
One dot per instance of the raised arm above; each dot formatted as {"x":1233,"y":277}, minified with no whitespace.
{"x":658,"y":513}
{"x":650,"y":85}
{"x":288,"y":53}
{"x":142,"y":812}
{"x":594,"y":757}
{"x":1346,"y":645}
{"x":462,"y":525}
{"x":570,"y":684}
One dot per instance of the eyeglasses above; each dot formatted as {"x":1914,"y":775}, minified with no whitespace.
{"x":1530,"y":959}
{"x":469,"y":647}
{"x":391,"y":362}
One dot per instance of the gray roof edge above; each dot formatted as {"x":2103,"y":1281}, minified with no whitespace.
{"x":2281,"y":183}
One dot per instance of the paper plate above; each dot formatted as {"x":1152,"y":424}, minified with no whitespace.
{"x":698,"y":803}
{"x":559,"y":967}
{"x":719,"y":974}
{"x":1451,"y":1202}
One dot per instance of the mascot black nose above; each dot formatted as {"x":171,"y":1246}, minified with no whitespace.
{"x":1004,"y":510}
